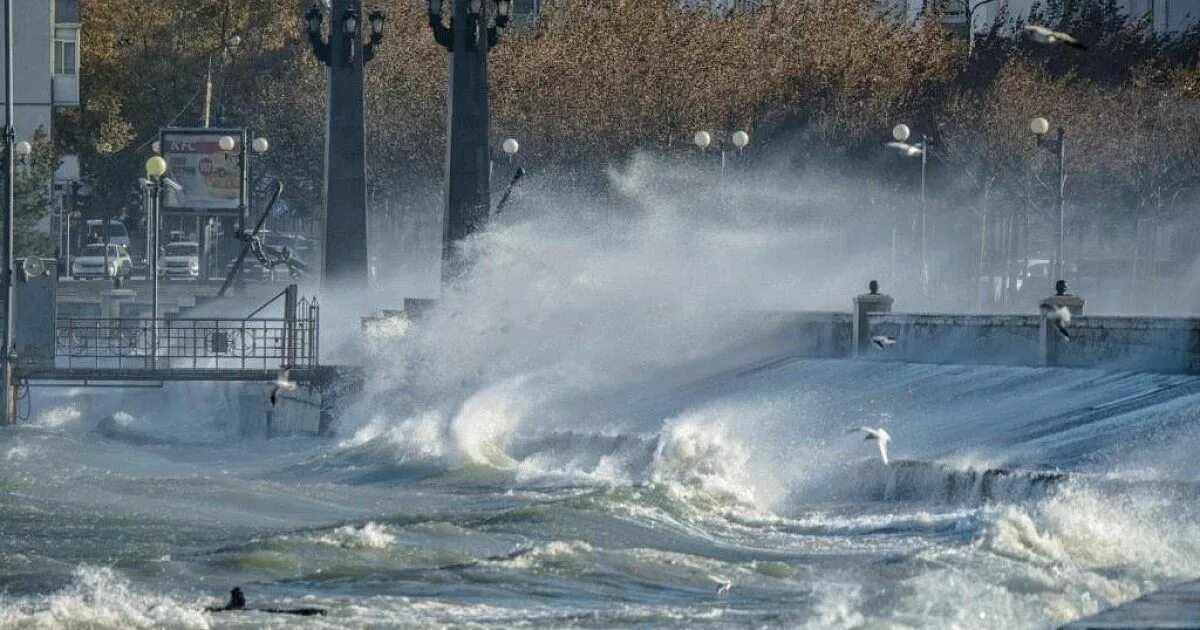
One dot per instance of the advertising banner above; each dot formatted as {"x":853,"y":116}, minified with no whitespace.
{"x":211,"y":180}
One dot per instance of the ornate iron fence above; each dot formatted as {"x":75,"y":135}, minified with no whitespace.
{"x":195,"y":343}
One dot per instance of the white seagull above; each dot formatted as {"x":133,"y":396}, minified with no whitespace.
{"x":1060,"y":316}
{"x":883,"y":341}
{"x":1043,"y":35}
{"x":723,"y":584}
{"x":906,"y":149}
{"x":282,"y":382}
{"x":881,"y":438}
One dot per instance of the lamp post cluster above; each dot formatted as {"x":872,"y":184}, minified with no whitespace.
{"x":704,"y":139}
{"x":1040,"y":128}
{"x":344,"y":53}
{"x":474,"y":28}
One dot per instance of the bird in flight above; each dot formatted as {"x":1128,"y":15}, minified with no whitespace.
{"x":906,"y":149}
{"x":282,"y":382}
{"x":723,"y":584}
{"x":884,"y":342}
{"x":881,"y":438}
{"x":1060,"y":316}
{"x":1043,"y":35}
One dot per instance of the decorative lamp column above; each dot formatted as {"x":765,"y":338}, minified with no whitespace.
{"x":473,"y":29}
{"x":345,"y":53}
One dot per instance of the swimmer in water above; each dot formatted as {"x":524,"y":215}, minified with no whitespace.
{"x":237,"y":601}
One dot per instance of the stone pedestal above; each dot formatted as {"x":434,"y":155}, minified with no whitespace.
{"x":865,"y":304}
{"x":112,"y":299}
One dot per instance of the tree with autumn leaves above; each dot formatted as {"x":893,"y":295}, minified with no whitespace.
{"x":594,"y":81}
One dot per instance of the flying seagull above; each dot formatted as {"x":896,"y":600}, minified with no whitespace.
{"x":282,"y":382}
{"x":906,"y":149}
{"x":881,"y":438}
{"x":723,"y":584}
{"x":1043,"y":35}
{"x":1060,"y":316}
{"x":884,"y":342}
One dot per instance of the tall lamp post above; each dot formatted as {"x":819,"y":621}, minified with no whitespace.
{"x":473,"y":30}
{"x":1058,"y":146}
{"x":7,"y":393}
{"x":345,"y":53}
{"x":230,"y":45}
{"x":901,"y":134}
{"x":156,"y":169}
{"x":241,"y":152}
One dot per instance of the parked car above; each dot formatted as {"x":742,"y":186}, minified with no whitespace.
{"x":180,"y":260}
{"x":117,"y":233}
{"x":90,"y":263}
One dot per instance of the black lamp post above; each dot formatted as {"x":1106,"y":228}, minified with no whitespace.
{"x":1058,"y":146}
{"x":344,"y":53}
{"x":473,"y":29}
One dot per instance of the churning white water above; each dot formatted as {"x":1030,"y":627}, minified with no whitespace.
{"x":601,"y":423}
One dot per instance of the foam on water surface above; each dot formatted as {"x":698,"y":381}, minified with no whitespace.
{"x":602,"y":413}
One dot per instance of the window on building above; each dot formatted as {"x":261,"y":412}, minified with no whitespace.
{"x":66,"y":51}
{"x":66,"y":11}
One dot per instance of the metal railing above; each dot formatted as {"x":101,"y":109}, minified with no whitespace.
{"x":195,"y":343}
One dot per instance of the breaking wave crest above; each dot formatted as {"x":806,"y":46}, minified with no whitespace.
{"x":100,"y":597}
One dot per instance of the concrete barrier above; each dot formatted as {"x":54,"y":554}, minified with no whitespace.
{"x":1155,"y":344}
{"x":295,"y":412}
{"x":953,"y":338}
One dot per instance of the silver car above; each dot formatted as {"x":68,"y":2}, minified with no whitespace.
{"x":93,"y":262}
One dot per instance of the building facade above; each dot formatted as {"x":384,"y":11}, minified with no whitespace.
{"x":46,"y":75}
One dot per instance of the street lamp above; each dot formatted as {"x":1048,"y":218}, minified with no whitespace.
{"x":227,"y":143}
{"x":901,"y":133}
{"x":1040,"y":127}
{"x":156,"y":169}
{"x":510,"y":148}
{"x":740,"y":140}
{"x":228,"y":46}
{"x":378,"y":19}
{"x":260,"y":145}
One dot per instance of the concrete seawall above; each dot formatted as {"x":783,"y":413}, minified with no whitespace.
{"x":1152,"y":344}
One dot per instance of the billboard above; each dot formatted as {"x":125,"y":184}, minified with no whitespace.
{"x":211,"y":180}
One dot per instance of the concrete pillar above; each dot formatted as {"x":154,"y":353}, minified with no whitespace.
{"x":871,"y":302}
{"x":1051,"y":342}
{"x":345,"y":245}
{"x":468,"y":155}
{"x":290,"y":301}
{"x":112,"y":299}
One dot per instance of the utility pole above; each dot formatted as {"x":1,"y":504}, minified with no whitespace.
{"x":473,"y":30}
{"x":345,"y":53}
{"x":8,"y":395}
